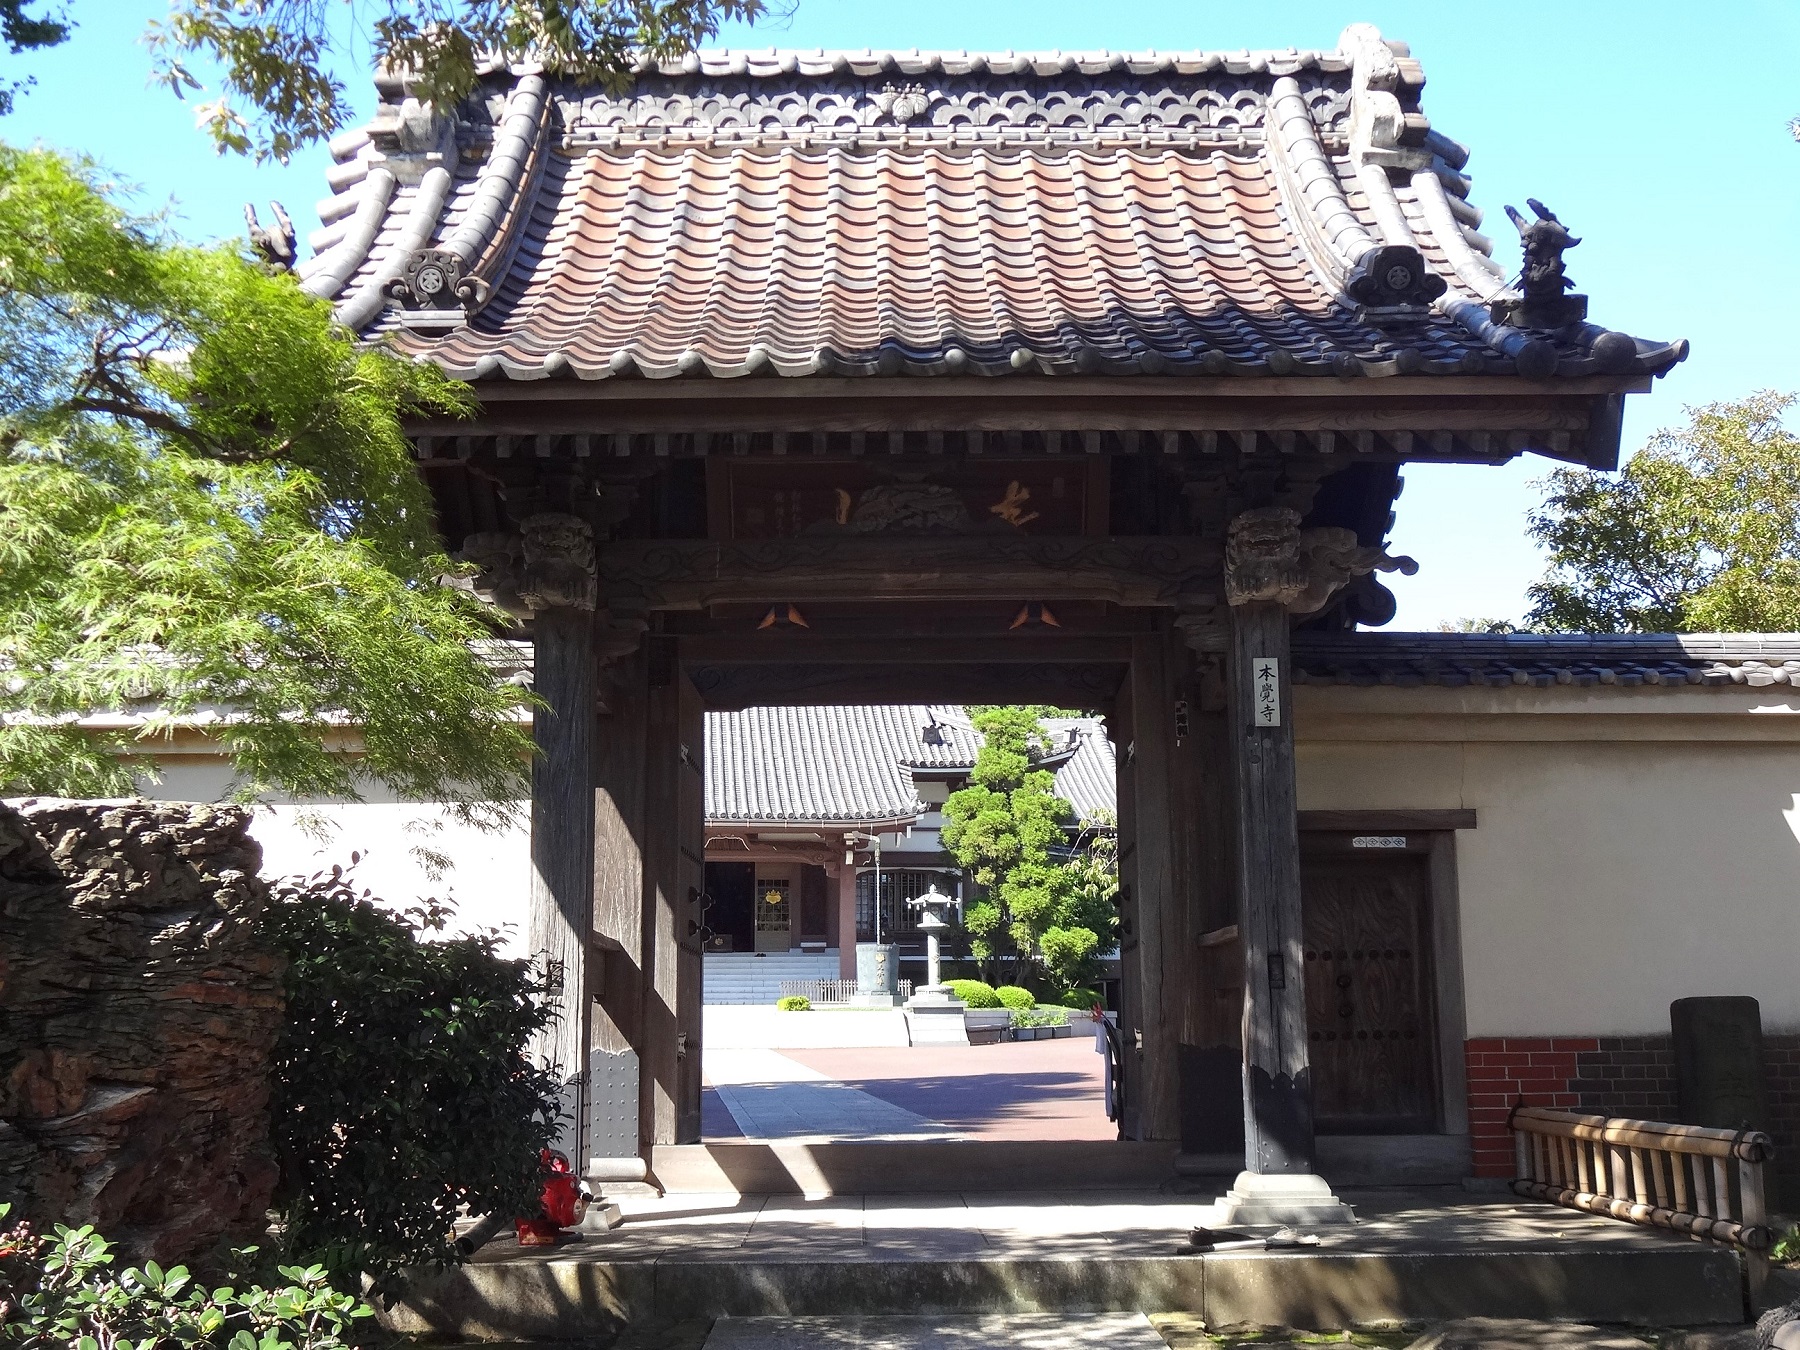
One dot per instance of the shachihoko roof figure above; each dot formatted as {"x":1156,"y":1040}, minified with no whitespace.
{"x":795,"y":214}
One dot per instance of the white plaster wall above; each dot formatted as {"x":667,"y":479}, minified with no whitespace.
{"x":1606,"y":877}
{"x":488,"y":874}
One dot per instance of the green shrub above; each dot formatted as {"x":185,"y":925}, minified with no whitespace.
{"x":402,"y":1084}
{"x":62,"y":1291}
{"x":1040,"y":1017}
{"x":1014,"y":997}
{"x":974,"y":994}
{"x":794,"y":1003}
{"x":1787,"y":1246}
{"x":1082,"y":1000}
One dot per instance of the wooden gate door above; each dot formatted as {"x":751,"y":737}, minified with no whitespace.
{"x":1371,"y":1032}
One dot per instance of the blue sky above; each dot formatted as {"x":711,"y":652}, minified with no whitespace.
{"x":1656,"y":130}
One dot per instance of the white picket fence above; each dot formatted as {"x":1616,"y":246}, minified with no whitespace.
{"x":830,"y":991}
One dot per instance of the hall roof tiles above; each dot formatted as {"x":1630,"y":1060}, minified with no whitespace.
{"x":1540,"y":660}
{"x":855,"y":764}
{"x":828,"y":213}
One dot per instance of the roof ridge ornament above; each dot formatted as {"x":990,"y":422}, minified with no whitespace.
{"x":1393,"y":286}
{"x":1546,"y":302}
{"x":278,"y":245}
{"x":436,"y":289}
{"x":1382,"y":132}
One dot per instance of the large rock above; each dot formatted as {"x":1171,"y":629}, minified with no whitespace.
{"x":138,"y":1009}
{"x":1505,"y":1333}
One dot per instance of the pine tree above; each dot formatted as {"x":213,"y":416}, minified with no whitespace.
{"x":1035,"y":912}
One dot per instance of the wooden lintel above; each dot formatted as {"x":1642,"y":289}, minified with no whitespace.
{"x":1122,"y":570}
{"x":1387,"y":822}
{"x":729,"y":687}
{"x":789,"y":647}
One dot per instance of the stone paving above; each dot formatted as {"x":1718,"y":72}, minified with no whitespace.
{"x":1014,"y":1090}
{"x":773,"y":1096}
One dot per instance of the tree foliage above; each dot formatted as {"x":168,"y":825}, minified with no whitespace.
{"x":275,"y":57}
{"x":1006,"y":827}
{"x":209,"y":512}
{"x":402,"y":1089}
{"x":1699,"y":531}
{"x":23,"y":31}
{"x":1072,"y":947}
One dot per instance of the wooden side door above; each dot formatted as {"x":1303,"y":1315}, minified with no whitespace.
{"x":1371,"y":1026}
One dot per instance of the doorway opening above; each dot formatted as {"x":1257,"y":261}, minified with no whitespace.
{"x":827,"y":873}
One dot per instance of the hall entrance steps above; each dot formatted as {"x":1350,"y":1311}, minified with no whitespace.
{"x":757,"y":977}
{"x":1416,"y":1255}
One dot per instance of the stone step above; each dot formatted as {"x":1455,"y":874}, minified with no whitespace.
{"x":574,"y":1292}
{"x":1020,"y":1331}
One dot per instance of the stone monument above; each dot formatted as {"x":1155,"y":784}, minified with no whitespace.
{"x":934,"y":1016}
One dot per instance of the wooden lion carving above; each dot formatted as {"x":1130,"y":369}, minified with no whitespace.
{"x":1268,"y":557}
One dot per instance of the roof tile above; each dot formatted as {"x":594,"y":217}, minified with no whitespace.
{"x":803,"y":213}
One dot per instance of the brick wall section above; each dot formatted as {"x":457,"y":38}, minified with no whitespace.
{"x":1608,"y":1075}
{"x":1781,"y":1057}
{"x":1629,"y":1076}
{"x":1503,"y":1070}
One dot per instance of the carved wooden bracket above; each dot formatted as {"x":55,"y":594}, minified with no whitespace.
{"x":558,"y":572}
{"x":548,"y":564}
{"x":1268,"y":557}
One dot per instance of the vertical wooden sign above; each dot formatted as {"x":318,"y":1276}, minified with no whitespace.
{"x":1265,"y":675}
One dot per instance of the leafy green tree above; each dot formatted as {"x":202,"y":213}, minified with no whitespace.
{"x":209,"y":511}
{"x":1001,"y":828}
{"x":1699,"y":531}
{"x":23,"y":31}
{"x":1478,"y":626}
{"x":274,"y":57}
{"x":1006,"y":828}
{"x":1088,"y":917}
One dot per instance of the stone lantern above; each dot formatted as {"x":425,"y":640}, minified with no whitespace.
{"x":936,"y":1018}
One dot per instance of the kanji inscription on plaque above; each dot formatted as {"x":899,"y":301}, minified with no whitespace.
{"x":1265,"y":675}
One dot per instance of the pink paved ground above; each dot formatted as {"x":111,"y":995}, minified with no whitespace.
{"x":1013,"y":1090}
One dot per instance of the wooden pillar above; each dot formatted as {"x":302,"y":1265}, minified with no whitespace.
{"x":673,"y":878}
{"x":1212,"y":1056}
{"x":562,"y":847}
{"x":1278,"y":1120}
{"x":1158,"y":950}
{"x":690,"y":887}
{"x":846,"y":920}
{"x":618,"y":879}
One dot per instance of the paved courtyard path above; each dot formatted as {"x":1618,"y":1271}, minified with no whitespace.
{"x":1014,"y":1090}
{"x":772,"y":1095}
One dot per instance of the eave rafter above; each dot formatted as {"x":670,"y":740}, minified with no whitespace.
{"x":1425,"y":419}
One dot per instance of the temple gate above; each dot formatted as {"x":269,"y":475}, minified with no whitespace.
{"x":1083,"y":380}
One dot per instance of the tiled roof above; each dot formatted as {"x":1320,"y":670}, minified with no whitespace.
{"x":1626,"y":660}
{"x":1088,"y":779}
{"x":854,"y":764}
{"x":793,"y":213}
